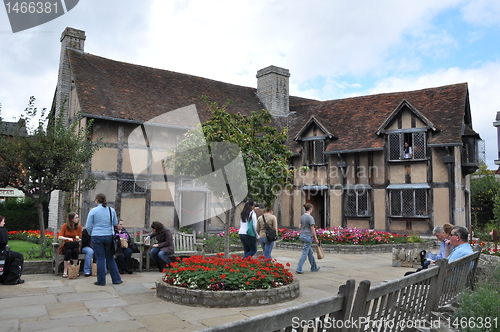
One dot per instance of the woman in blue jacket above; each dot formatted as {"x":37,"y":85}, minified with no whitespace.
{"x":101,"y":223}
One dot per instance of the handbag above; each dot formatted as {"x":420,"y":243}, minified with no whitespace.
{"x":319,"y":251}
{"x":116,"y":248}
{"x":71,"y":245}
{"x":73,"y":270}
{"x":124,"y":243}
{"x":270,"y":232}
{"x":250,"y":228}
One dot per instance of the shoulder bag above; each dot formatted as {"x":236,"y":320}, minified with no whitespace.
{"x":116,"y":248}
{"x":250,"y":228}
{"x":270,"y":232}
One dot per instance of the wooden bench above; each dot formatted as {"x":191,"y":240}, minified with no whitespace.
{"x":136,"y":235}
{"x":185,"y":244}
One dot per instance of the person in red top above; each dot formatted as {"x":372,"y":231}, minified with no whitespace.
{"x":71,"y":233}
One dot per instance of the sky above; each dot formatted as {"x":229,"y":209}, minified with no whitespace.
{"x":333,"y":49}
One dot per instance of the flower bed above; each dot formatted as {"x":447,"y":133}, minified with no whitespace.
{"x":342,"y":235}
{"x":30,"y":235}
{"x":227,"y":282}
{"x":218,"y":273}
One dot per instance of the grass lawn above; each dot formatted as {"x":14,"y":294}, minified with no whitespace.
{"x":26,"y":248}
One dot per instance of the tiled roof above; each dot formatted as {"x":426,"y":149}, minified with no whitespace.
{"x":123,"y":91}
{"x":355,"y":120}
{"x":13,"y":128}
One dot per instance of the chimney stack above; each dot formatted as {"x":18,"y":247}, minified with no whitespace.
{"x":272,"y":90}
{"x":70,"y":38}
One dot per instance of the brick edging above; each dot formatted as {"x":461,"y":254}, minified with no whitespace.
{"x":226,"y":299}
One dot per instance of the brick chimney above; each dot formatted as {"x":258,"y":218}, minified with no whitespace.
{"x":70,"y":38}
{"x":272,"y":89}
{"x":75,"y":39}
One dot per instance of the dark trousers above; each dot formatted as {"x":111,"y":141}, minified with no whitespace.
{"x":13,"y":268}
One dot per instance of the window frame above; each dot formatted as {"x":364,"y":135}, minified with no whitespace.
{"x":310,"y":147}
{"x":402,"y":195}
{"x":417,"y":139}
{"x":136,"y":184}
{"x":352,"y":193}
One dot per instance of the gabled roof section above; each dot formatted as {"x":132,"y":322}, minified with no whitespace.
{"x":355,"y":120}
{"x":403,"y":105}
{"x":312,"y":120}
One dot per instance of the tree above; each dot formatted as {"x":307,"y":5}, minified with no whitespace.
{"x":485,"y":190}
{"x":53,"y":156}
{"x":216,"y":146}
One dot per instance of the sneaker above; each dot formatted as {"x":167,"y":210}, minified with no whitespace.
{"x":299,"y":272}
{"x":117,"y":283}
{"x":87,"y":274}
{"x":98,"y":284}
{"x":20,"y":281}
{"x":316,"y":269}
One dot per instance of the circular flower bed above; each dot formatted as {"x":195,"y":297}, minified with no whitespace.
{"x":227,"y":282}
{"x":218,"y":273}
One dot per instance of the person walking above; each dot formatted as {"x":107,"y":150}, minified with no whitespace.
{"x":101,"y":223}
{"x":248,"y":241}
{"x":13,"y":260}
{"x":71,"y":233}
{"x":307,"y":236}
{"x":269,"y":219}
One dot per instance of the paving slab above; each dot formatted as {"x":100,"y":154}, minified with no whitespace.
{"x":51,"y":303}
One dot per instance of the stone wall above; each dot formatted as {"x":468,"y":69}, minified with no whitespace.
{"x":226,"y":299}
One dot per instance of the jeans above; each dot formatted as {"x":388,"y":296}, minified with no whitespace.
{"x":249,"y":245}
{"x":159,"y":257}
{"x":87,"y":264}
{"x":267,"y":246}
{"x":123,"y":259}
{"x":307,"y":252}
{"x":102,"y":248}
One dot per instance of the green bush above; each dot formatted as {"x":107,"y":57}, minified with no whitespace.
{"x":22,"y":214}
{"x":480,"y":309}
{"x":215,"y":243}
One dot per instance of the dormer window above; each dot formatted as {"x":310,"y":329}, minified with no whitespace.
{"x":407,"y":146}
{"x":314,"y":151}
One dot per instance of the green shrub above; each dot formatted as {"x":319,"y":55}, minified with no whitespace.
{"x":215,"y":243}
{"x":22,"y":214}
{"x":481,"y":305}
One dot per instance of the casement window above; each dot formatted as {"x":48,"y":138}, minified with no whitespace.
{"x":132,"y":186}
{"x":314,"y":151}
{"x":357,"y":203}
{"x":469,"y":151}
{"x":414,"y":149}
{"x":408,"y":202}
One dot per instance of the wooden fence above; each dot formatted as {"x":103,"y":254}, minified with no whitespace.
{"x":391,"y":306}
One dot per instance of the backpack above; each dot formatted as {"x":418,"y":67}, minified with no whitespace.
{"x":270,"y":232}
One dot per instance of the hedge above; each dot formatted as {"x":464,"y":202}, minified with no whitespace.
{"x":21,"y":215}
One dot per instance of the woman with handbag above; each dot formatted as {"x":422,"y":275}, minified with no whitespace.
{"x":71,"y":234}
{"x":307,"y":236}
{"x":123,"y":258}
{"x":101,"y":223}
{"x":248,"y":230}
{"x":267,"y":228}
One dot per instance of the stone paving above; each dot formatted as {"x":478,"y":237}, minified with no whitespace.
{"x":50,"y":303}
